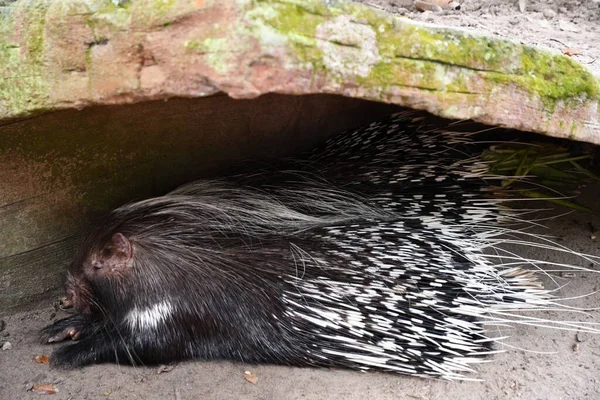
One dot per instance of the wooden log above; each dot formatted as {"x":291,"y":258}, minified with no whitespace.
{"x":72,"y":53}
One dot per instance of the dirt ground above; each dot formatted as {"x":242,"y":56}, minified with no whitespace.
{"x":538,"y":363}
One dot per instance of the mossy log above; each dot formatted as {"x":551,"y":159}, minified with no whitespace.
{"x":60,"y":166}
{"x":72,"y":53}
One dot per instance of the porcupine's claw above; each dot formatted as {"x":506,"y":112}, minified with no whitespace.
{"x":72,"y":327}
{"x":94,"y":342}
{"x":102,"y":345}
{"x":84,"y":352}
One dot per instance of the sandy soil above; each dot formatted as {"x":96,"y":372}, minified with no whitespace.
{"x":539,"y":363}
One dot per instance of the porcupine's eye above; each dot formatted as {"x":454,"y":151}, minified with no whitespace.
{"x":113,"y":258}
{"x":105,"y":258}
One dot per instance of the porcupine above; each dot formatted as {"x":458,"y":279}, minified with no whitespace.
{"x":370,"y":255}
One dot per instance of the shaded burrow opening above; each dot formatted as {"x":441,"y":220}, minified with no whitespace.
{"x":60,"y":171}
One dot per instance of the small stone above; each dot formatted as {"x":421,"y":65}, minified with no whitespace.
{"x":543,"y":23}
{"x":4,"y":334}
{"x":6,"y":346}
{"x":563,"y":10}
{"x":568,"y":26}
{"x":549,"y":13}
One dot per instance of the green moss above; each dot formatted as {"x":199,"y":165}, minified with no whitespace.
{"x":193,"y":45}
{"x":557,"y":77}
{"x":35,"y":20}
{"x":22,"y":84}
{"x":551,"y":77}
{"x":294,"y":23}
{"x":554,"y":78}
{"x":218,"y":54}
{"x":406,"y":72}
{"x":442,"y":59}
{"x":109,"y":17}
{"x":403,"y":39}
{"x":436,"y":59}
{"x":153,"y":12}
{"x":572,"y":130}
{"x":411,"y":55}
{"x":161,"y":6}
{"x":216,"y":47}
{"x":139,"y":14}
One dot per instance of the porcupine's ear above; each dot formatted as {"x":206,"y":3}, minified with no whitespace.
{"x":115,"y":255}
{"x":121,"y":246}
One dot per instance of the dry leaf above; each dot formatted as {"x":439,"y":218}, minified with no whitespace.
{"x":571,"y":52}
{"x":250,"y":377}
{"x":43,"y":359}
{"x":44,"y":388}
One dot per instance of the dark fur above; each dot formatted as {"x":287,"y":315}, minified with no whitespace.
{"x":232,"y":258}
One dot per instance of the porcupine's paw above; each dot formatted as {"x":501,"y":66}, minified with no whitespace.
{"x":71,"y":327}
{"x":93,"y":349}
{"x":72,"y":356}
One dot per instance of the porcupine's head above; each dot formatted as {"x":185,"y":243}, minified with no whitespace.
{"x":139,"y":254}
{"x":102,"y":267}
{"x":183,"y":248}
